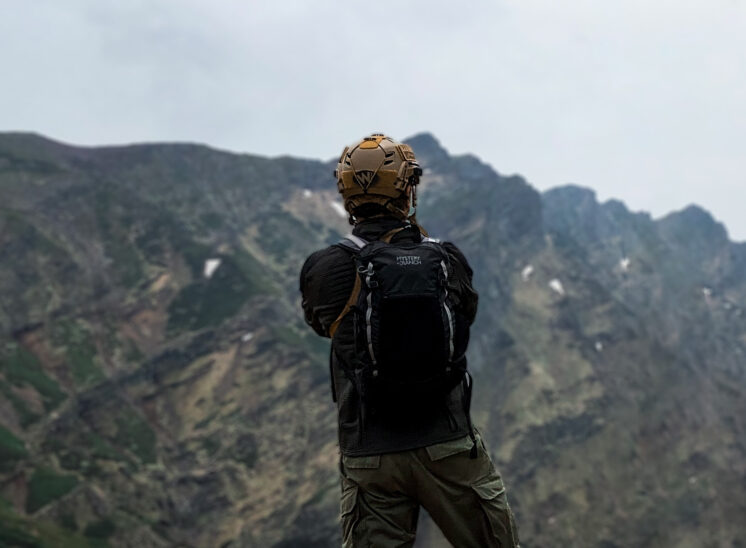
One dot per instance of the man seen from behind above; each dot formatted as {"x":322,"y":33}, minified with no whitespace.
{"x":397,"y":306}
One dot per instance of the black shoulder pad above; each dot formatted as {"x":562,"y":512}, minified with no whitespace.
{"x":349,"y":245}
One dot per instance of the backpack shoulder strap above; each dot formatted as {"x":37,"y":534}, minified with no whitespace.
{"x":348,"y":305}
{"x":354,"y":244}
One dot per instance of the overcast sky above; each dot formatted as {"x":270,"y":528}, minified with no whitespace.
{"x":640,"y":100}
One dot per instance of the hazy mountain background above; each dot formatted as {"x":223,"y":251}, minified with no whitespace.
{"x":158,"y":386}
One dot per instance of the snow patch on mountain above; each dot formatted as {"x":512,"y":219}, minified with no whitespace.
{"x":557,"y":286}
{"x":339,"y":208}
{"x":211,"y":265}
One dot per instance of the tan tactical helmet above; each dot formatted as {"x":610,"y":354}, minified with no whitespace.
{"x":378,"y":170}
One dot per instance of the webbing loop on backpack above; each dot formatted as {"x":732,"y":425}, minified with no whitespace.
{"x":369,"y":313}
{"x":448,"y":311}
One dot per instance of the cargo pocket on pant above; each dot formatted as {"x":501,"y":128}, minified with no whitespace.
{"x":348,"y":511}
{"x":494,"y":503}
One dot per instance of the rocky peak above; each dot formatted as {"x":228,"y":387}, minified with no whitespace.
{"x":572,"y":209}
{"x":571,"y":193}
{"x":427,"y":148}
{"x":694,"y":232}
{"x":693,"y":221}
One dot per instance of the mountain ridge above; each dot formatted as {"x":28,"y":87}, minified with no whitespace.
{"x":171,"y":407}
{"x":427,"y":144}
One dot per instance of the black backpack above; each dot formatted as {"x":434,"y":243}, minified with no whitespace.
{"x":409,"y":340}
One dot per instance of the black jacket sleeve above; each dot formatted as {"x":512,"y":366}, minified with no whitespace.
{"x":326,"y":281}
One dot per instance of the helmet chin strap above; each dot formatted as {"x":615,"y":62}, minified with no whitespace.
{"x":412,"y":201}
{"x":412,"y":216}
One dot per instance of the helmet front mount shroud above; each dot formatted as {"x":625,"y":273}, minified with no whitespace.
{"x":378,"y":170}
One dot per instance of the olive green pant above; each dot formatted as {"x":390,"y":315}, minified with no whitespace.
{"x":382,"y":495}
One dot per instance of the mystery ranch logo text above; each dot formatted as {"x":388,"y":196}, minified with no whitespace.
{"x":408,"y":260}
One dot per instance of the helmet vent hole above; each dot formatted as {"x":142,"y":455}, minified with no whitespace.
{"x":389,"y":154}
{"x":387,"y":162}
